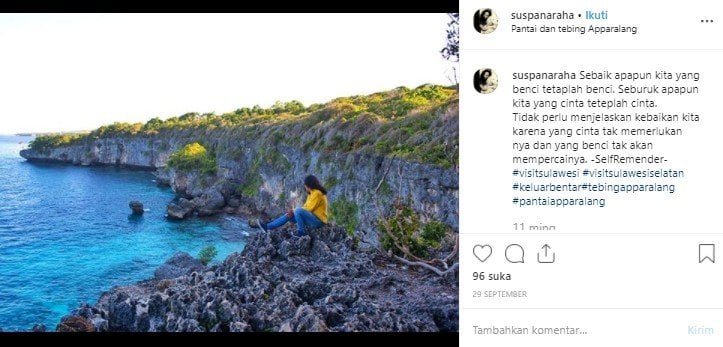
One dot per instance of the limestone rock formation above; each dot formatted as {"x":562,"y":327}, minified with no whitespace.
{"x":136,"y":207}
{"x":178,"y":265}
{"x":318,"y":282}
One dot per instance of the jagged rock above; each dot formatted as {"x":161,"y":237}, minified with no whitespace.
{"x":136,"y":207}
{"x":298,"y":246}
{"x":317,"y":282}
{"x":342,"y":294}
{"x":446,"y":318}
{"x":239,"y":327}
{"x":178,"y":265}
{"x":38,"y":328}
{"x":209,"y":203}
{"x":307,"y":320}
{"x":99,"y":324}
{"x":186,"y":204}
{"x":121,"y":312}
{"x":190,"y":325}
{"x":163,"y":178}
{"x":333,"y":315}
{"x":207,"y":213}
{"x":157,"y":304}
{"x":74,"y":324}
{"x":310,"y":290}
{"x":175,"y":211}
{"x":143,"y":321}
{"x":432,"y":189}
{"x":233,"y":202}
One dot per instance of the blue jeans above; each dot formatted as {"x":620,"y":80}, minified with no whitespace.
{"x":302,"y":217}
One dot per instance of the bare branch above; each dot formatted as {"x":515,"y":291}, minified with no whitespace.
{"x":391,"y":161}
{"x":427,"y":266}
{"x":415,"y":261}
{"x":454,"y":251}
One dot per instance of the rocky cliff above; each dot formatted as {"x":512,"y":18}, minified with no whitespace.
{"x":368,"y":151}
{"x":264,"y":173}
{"x":317,"y":282}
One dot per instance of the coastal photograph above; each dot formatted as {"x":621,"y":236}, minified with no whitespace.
{"x":229,"y":172}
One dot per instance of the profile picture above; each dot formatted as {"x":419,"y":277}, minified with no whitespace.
{"x":485,"y":81}
{"x":485,"y":21}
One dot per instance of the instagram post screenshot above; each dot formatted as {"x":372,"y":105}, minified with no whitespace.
{"x":461,"y":173}
{"x":248,"y":172}
{"x":588,"y":173}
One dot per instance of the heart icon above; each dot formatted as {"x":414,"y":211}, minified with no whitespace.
{"x":482,"y":252}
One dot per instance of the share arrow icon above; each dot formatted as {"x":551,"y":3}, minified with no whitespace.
{"x":548,"y":257}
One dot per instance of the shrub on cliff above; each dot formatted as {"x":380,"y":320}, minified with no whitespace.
{"x":433,"y":233}
{"x":117,"y":129}
{"x":419,"y":124}
{"x":43,"y":143}
{"x":345,"y":214}
{"x":404,"y":231}
{"x":401,"y":228}
{"x":193,"y":157}
{"x":207,"y":254}
{"x":407,"y":240}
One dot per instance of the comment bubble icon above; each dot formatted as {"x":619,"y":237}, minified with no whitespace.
{"x":514,"y":253}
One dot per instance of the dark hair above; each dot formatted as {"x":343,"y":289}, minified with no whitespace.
{"x":480,"y":79}
{"x":313,"y":183}
{"x":479,"y":20}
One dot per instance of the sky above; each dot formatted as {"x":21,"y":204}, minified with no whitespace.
{"x":69,"y":72}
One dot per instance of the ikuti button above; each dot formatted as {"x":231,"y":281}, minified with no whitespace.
{"x":706,"y":252}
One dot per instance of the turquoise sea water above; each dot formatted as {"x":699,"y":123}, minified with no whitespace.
{"x":66,"y":235}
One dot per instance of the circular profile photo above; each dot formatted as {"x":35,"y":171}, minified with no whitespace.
{"x":485,"y":21}
{"x":485,"y":81}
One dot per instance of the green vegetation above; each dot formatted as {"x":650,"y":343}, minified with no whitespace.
{"x":405,"y":226}
{"x":385,"y":190}
{"x":268,"y":156}
{"x":282,"y":197}
{"x":45,"y":143}
{"x":119,"y":129}
{"x":275,"y":159}
{"x":193,"y":157}
{"x":330,"y":182}
{"x":207,"y":254}
{"x":235,"y":154}
{"x":345,"y":214}
{"x":433,"y":233}
{"x":253,"y":179}
{"x":419,"y":124}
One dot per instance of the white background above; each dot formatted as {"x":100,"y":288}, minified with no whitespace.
{"x":70,"y":72}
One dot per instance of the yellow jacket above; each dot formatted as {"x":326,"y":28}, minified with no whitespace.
{"x":316,"y":204}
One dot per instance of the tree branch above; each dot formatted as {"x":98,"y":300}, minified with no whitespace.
{"x":416,"y":261}
{"x":454,"y":251}
{"x":427,"y":266}
{"x":391,"y":161}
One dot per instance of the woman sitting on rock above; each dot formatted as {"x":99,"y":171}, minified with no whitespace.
{"x":312,"y":215}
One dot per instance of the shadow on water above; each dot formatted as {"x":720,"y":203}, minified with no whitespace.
{"x":135,"y":219}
